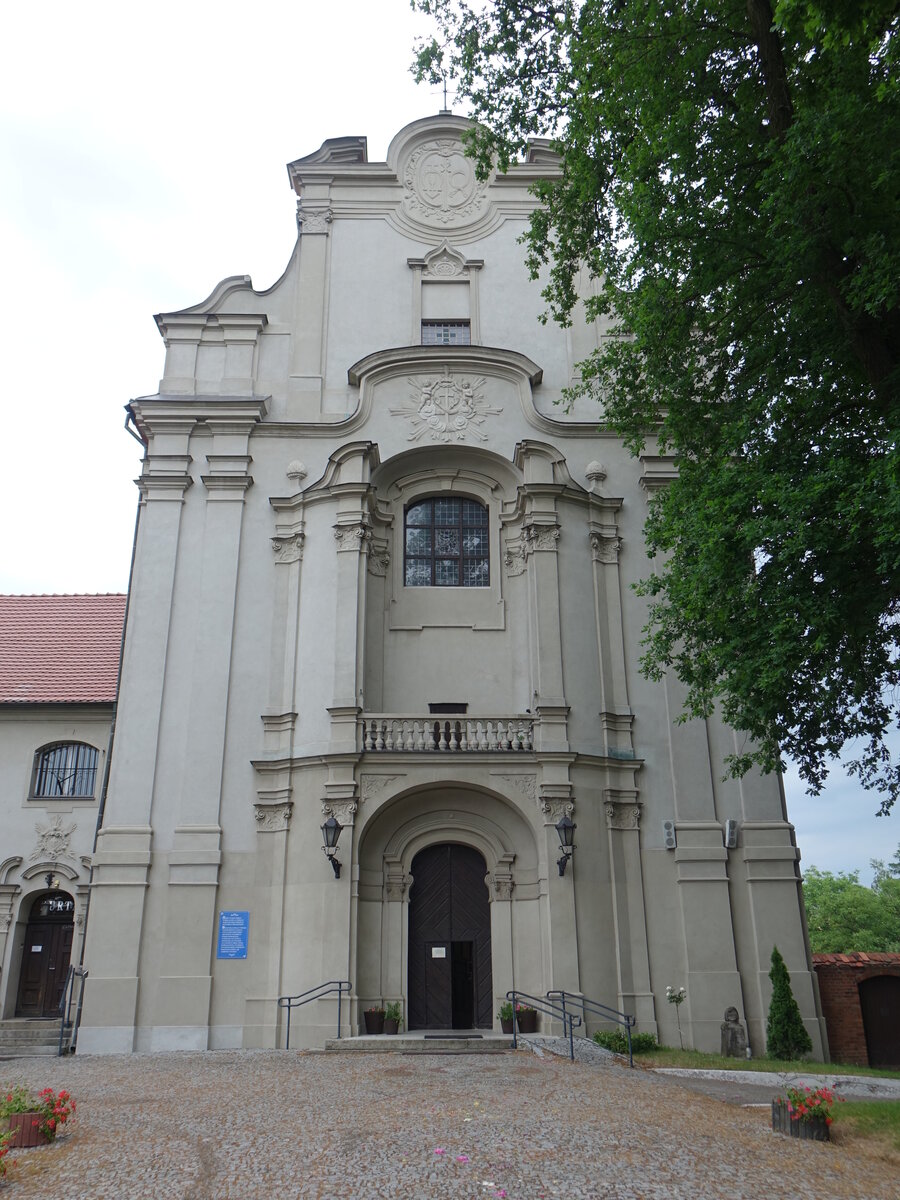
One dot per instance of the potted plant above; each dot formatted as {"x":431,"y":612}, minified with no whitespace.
{"x":33,"y":1120}
{"x":5,"y":1139}
{"x":526,"y":1018}
{"x":393,"y":1017}
{"x":374,"y":1019}
{"x":805,"y":1113}
{"x":505,"y":1015}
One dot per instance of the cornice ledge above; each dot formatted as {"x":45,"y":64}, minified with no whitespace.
{"x":398,"y":359}
{"x":223,"y":289}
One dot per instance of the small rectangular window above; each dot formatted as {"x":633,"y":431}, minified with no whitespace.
{"x":446,"y":333}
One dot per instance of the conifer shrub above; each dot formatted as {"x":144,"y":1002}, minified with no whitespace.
{"x":786,"y":1035}
{"x":615,"y":1040}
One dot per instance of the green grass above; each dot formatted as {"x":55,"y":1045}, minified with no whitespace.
{"x":870,"y":1119}
{"x":668,"y":1056}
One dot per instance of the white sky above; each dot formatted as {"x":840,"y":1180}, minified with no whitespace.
{"x":142,"y":159}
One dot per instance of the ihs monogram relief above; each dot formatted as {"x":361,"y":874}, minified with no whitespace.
{"x":441,"y":185}
{"x":53,"y":839}
{"x":446,"y":409}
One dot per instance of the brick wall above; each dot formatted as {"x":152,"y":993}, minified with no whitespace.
{"x":839,"y":977}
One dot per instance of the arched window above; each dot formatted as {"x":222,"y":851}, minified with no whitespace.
{"x":65,"y":769}
{"x":446,"y":543}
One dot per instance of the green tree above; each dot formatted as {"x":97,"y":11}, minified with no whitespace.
{"x":786,"y":1035}
{"x":844,"y":915}
{"x":729,"y":177}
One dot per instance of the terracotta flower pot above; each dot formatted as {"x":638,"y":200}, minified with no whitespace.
{"x":25,"y":1126}
{"x":527,"y":1021}
{"x":374,"y":1022}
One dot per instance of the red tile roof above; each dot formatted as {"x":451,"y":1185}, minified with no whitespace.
{"x":60,"y":649}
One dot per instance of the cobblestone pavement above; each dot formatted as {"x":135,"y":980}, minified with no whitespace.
{"x":248,"y":1124}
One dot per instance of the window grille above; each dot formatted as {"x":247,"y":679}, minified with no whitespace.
{"x":66,"y":769}
{"x":446,"y":333}
{"x":446,"y":543}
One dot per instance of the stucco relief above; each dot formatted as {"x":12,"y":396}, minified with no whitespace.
{"x":379,"y":557}
{"x":313,"y":220}
{"x":440,"y":185}
{"x":396,"y":881}
{"x":447,"y":408}
{"x":352,"y":537}
{"x":605,"y":549}
{"x":540,"y":537}
{"x":288,"y":548}
{"x":371,"y":785}
{"x":343,"y":811}
{"x":621,"y":814}
{"x":526,"y":784}
{"x":445,"y":263}
{"x":52,"y":840}
{"x":273,"y":818}
{"x":514,"y":557}
{"x":554,"y":810}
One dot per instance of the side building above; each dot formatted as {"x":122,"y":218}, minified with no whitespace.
{"x":59,"y":662}
{"x":383,"y":579}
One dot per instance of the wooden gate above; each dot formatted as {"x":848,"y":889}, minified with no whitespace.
{"x":450,"y":985}
{"x":879,"y":999}
{"x":45,"y":955}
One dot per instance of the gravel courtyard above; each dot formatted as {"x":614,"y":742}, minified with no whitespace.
{"x":237,"y":1125}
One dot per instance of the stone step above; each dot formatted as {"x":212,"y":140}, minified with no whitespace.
{"x":420,"y":1043}
{"x":29,"y":1051}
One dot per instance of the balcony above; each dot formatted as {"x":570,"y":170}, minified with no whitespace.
{"x":416,"y":733}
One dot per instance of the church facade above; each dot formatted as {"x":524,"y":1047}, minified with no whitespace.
{"x":382,"y":583}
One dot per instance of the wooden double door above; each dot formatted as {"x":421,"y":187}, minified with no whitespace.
{"x":45,"y":955}
{"x":450,"y":985}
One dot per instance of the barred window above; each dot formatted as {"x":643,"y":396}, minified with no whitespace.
{"x":446,"y":333}
{"x":65,"y":769}
{"x":446,"y":543}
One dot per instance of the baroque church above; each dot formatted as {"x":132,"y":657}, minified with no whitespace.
{"x":382,"y":590}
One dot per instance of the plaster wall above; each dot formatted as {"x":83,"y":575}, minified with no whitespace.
{"x":269,"y":617}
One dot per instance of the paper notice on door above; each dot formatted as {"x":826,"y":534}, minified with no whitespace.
{"x":36,"y":949}
{"x":438,"y":951}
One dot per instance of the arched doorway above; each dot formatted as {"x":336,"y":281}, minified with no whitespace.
{"x":450,"y":984}
{"x":879,"y":999}
{"x":45,"y":955}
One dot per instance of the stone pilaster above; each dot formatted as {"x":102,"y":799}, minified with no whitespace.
{"x":623,"y":818}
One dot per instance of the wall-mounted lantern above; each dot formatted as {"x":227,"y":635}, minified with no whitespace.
{"x":565,"y":828}
{"x":331,"y":831}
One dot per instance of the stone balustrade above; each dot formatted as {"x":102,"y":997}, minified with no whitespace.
{"x":447,"y":734}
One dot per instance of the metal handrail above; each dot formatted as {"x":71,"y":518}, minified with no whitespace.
{"x":343,"y":987}
{"x":545,"y":1005}
{"x":65,"y":1007}
{"x":600,"y":1010}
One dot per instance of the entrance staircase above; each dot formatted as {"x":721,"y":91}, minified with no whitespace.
{"x":23,"y":1037}
{"x":437,"y":1041}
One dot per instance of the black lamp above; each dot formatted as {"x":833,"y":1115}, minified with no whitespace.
{"x":331,"y":831}
{"x":52,"y":881}
{"x":565,"y":828}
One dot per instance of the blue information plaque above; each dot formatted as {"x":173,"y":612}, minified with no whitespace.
{"x":234,"y":930}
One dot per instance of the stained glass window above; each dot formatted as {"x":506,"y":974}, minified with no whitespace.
{"x":446,"y":543}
